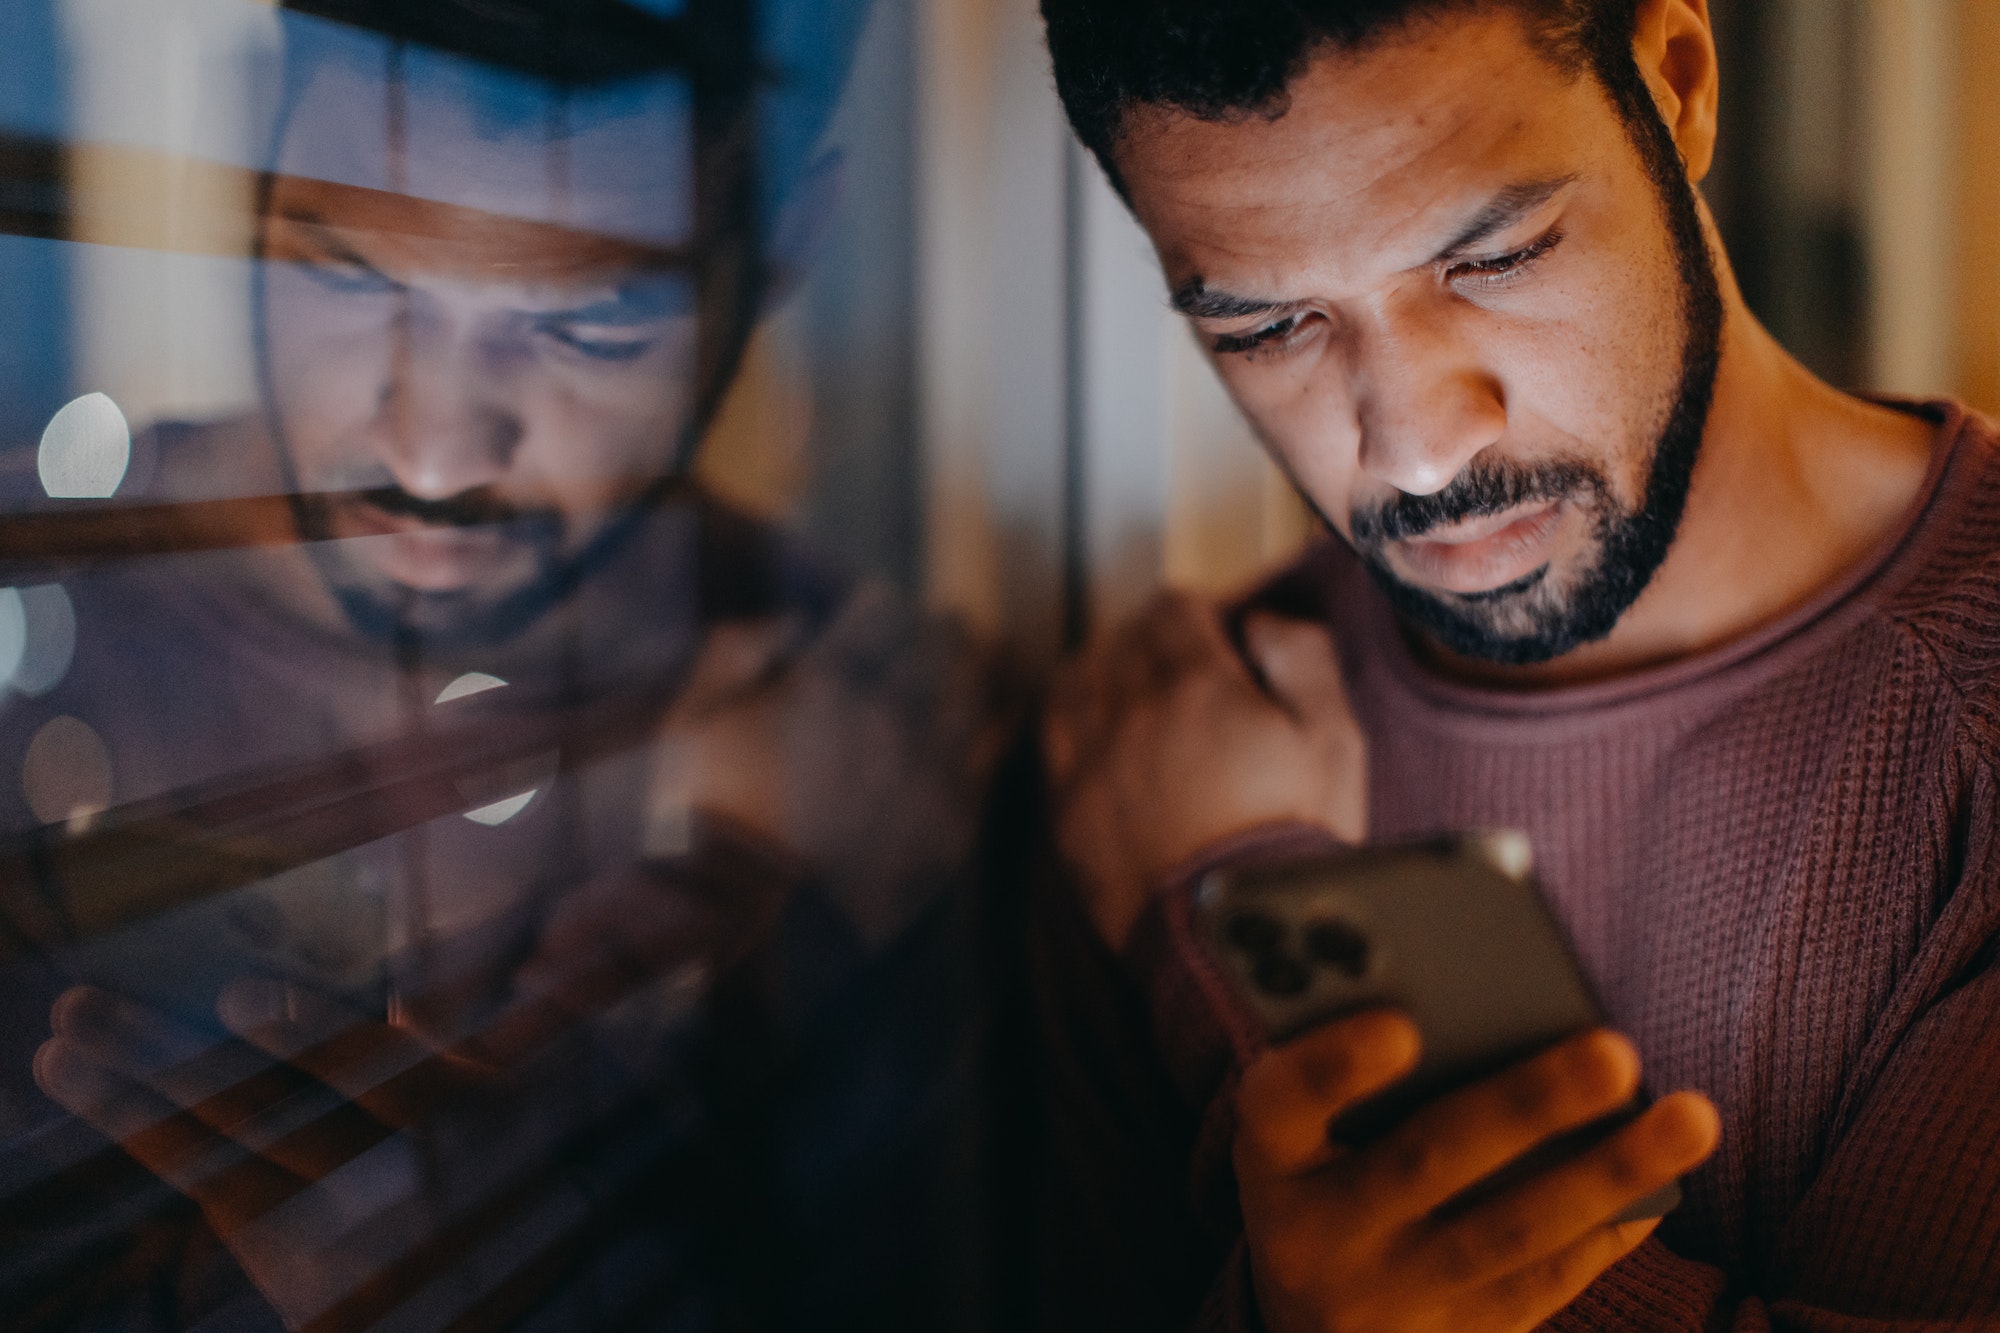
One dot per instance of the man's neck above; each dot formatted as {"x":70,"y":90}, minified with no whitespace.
{"x":1796,"y":485}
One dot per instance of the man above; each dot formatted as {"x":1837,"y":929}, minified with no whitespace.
{"x":508,"y":884}
{"x":1611,"y":568}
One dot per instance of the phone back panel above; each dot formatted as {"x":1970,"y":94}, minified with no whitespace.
{"x":1452,"y":932}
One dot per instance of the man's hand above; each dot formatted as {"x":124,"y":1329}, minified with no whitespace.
{"x":291,"y":1140}
{"x":863,"y":750}
{"x":1165,"y":740}
{"x":1344,"y":1240}
{"x":346,"y":1162}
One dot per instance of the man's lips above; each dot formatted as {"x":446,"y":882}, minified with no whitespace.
{"x":427,"y":557}
{"x":1481,"y":554}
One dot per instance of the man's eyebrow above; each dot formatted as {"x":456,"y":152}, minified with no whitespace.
{"x":1193,"y":299}
{"x":640,"y":301}
{"x":1502,"y":211}
{"x":323,"y":234}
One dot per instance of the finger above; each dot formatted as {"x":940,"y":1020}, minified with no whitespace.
{"x":1289,"y":1095}
{"x":264,"y":1105}
{"x":1466,"y":1136}
{"x":1550,"y":1213}
{"x":736,"y":658}
{"x":1525,"y":1299}
{"x":1302,"y":674}
{"x":1089,"y":700}
{"x":117,"y":1106}
{"x":879,"y":652}
{"x":909,"y":693}
{"x":1127,"y":663}
{"x":225,"y":1084}
{"x":124,"y":1036}
{"x":1299,"y":664}
{"x":1177,"y":635}
{"x":940,"y":680}
{"x":138,"y":1044}
{"x":1069,"y":722}
{"x":230,"y":1183}
{"x":868,"y":638}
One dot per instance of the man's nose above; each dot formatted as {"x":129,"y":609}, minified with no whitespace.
{"x":446,"y":424}
{"x":1426,"y":406}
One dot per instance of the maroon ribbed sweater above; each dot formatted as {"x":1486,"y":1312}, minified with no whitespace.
{"x":1780,"y":863}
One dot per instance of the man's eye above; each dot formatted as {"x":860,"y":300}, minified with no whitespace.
{"x":350,"y":279}
{"x":1504,"y":269}
{"x":1226,"y":344}
{"x":622,"y":348}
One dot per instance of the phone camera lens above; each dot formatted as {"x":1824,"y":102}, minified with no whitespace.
{"x":1339,"y":946}
{"x":1253,"y":932}
{"x":1281,"y":974}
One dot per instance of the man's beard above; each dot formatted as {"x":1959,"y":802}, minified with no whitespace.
{"x":1544,"y":615}
{"x":441,"y":621}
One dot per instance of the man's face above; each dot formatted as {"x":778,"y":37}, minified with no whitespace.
{"x":1447,"y":294}
{"x":480,"y":328}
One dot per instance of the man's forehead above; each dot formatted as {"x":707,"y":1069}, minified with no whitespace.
{"x":1379,"y":157}
{"x":615,"y":162}
{"x":411,"y":238}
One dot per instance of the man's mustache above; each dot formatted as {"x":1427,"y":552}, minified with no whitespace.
{"x":468,"y":509}
{"x":1483,"y":489}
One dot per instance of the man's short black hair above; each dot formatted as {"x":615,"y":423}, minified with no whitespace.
{"x":1226,"y":59}
{"x":782,"y":63}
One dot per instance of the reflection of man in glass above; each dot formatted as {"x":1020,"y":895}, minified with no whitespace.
{"x":657,"y":1031}
{"x":483,"y":318}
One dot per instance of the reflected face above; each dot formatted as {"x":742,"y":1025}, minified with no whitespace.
{"x":1470,"y":316}
{"x":498,"y":367}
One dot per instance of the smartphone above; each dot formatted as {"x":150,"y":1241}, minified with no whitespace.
{"x":1451,"y":931}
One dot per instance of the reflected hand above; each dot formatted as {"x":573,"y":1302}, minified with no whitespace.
{"x":346,"y":1162}
{"x":1355,"y":1239}
{"x":863,"y":752}
{"x":287,"y":1140}
{"x":1162,"y":741}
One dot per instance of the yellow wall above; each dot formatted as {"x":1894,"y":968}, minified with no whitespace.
{"x":1979,"y":204}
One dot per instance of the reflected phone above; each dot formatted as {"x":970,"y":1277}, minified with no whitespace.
{"x":1453,"y":932}
{"x":322,"y":924}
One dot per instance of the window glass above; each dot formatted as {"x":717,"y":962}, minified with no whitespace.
{"x":486,"y":827}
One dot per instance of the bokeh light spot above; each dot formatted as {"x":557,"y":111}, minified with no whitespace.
{"x":67,"y":773}
{"x":13,"y":634}
{"x":497,"y":812}
{"x":472,"y":682}
{"x":501,"y":811}
{"x":86,"y":448}
{"x":49,"y":641}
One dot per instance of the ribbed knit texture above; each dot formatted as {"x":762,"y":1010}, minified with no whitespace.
{"x":1780,"y":863}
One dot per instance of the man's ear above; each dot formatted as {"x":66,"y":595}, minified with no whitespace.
{"x":802,"y":226}
{"x":1674,"y":46}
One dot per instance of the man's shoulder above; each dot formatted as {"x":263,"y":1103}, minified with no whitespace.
{"x":1323,"y":582}
{"x":750,"y":566}
{"x":1950,"y":601}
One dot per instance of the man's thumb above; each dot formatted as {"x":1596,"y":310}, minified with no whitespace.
{"x":1299,"y":665}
